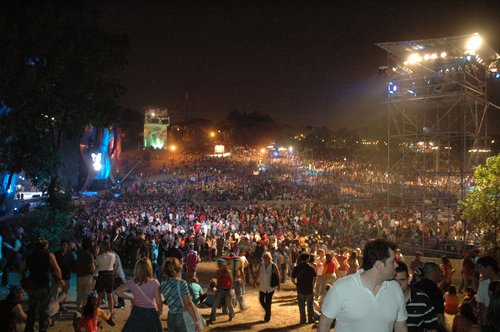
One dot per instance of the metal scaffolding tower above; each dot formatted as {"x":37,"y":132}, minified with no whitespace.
{"x":437,"y":116}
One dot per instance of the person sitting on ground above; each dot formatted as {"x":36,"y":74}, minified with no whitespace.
{"x":465,"y":319}
{"x":470,"y":297}
{"x":88,"y":322}
{"x":451,"y":301}
{"x":211,"y":292}
{"x":11,"y":312}
{"x":196,"y":291}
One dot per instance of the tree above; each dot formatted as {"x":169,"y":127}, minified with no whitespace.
{"x":57,"y":74}
{"x":481,"y":207}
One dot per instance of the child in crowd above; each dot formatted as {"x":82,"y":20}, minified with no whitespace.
{"x":88,"y":322}
{"x":196,"y":291}
{"x":470,"y":297}
{"x":451,"y":301}
{"x":211,"y":292}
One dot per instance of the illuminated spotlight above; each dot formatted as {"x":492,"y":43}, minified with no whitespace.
{"x":96,"y":161}
{"x":413,"y":58}
{"x":392,"y":87}
{"x":434,"y":56}
{"x":468,"y":57}
{"x":427,"y":57}
{"x":474,"y":43}
{"x":443,"y":54}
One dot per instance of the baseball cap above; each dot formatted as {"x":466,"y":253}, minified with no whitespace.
{"x":222,"y":262}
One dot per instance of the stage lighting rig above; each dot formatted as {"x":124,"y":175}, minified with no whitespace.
{"x":437,"y":92}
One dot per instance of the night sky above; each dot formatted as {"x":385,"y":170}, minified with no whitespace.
{"x":303,"y":63}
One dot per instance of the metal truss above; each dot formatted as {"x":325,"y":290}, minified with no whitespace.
{"x":437,"y":118}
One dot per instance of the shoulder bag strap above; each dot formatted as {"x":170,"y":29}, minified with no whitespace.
{"x":140,"y":290}
{"x":180,"y":294}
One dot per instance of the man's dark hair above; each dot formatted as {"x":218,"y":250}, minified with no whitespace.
{"x":429,"y":268}
{"x":376,"y":250}
{"x":402,"y":267}
{"x":304,"y":258}
{"x":488,"y":261}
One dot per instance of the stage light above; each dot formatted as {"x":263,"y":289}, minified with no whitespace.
{"x":434,"y":56}
{"x":393,"y":88}
{"x":468,"y":57}
{"x":474,"y":43}
{"x":96,"y":161}
{"x":443,"y":54}
{"x":414,"y":58}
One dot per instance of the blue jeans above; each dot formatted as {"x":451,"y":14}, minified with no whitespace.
{"x":175,"y":322}
{"x":38,"y":305}
{"x":302,"y":299}
{"x":239,"y":289}
{"x":222,"y":294}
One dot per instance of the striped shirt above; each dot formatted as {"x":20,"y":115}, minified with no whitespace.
{"x":421,"y":313}
{"x":171,"y":294}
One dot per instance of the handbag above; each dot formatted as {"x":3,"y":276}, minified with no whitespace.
{"x":188,"y":320}
{"x":274,"y":276}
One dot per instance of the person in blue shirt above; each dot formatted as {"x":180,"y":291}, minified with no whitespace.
{"x":196,"y":291}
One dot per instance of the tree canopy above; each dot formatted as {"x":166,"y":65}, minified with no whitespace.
{"x":481,"y":207}
{"x":57,"y":73}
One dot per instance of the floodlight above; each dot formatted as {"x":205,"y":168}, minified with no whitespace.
{"x":443,"y":54}
{"x":474,"y":43}
{"x":434,"y":56}
{"x":96,"y":161}
{"x":427,"y":57}
{"x":413,"y":58}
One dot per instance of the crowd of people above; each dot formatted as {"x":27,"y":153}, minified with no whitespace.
{"x":283,"y":223}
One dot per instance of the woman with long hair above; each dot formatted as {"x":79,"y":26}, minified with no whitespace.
{"x":146,"y":300}
{"x":88,"y":322}
{"x":12,"y":314}
{"x":263,"y":275}
{"x":176,"y":294}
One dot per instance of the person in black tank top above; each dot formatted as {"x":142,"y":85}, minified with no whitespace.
{"x":40,"y":262}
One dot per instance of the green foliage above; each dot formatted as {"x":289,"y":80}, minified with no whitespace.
{"x":481,"y":207}
{"x":49,"y":223}
{"x":57,"y":74}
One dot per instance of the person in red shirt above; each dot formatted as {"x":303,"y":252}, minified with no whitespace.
{"x":343,"y":265}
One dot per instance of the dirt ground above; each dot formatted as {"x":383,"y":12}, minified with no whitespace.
{"x":285,"y":313}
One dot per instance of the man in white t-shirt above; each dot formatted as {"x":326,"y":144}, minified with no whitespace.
{"x":106,"y":267}
{"x":369,"y":300}
{"x":487,"y":266}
